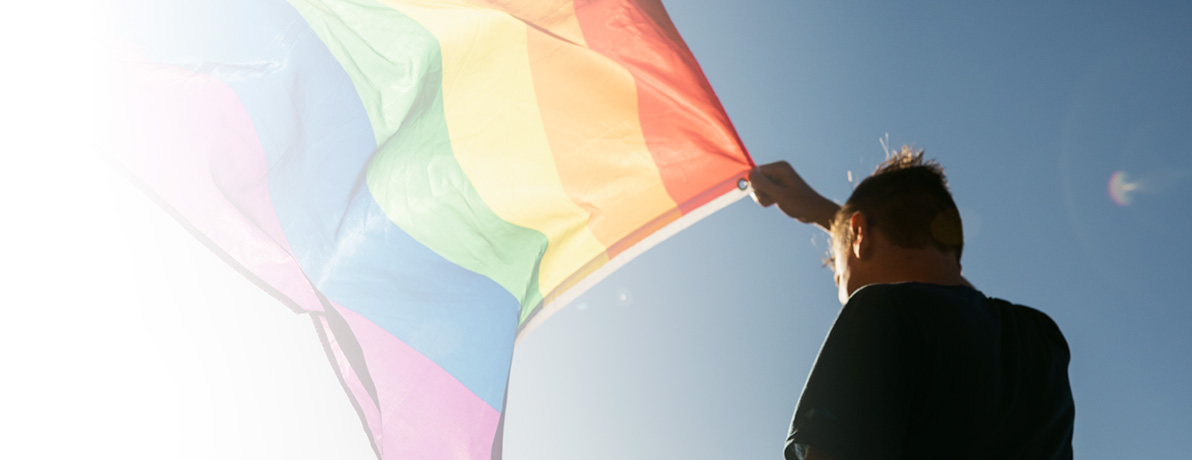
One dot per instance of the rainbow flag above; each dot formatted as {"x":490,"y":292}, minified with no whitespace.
{"x":426,"y":179}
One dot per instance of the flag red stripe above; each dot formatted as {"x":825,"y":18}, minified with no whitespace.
{"x":687,"y":131}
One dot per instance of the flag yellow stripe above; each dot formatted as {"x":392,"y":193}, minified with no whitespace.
{"x":496,"y":130}
{"x":556,"y":17}
{"x":589,"y":106}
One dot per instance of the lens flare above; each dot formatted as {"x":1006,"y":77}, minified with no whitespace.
{"x":624,"y":296}
{"x":1121,"y":189}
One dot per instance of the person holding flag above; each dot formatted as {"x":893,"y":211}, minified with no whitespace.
{"x":919,"y":364}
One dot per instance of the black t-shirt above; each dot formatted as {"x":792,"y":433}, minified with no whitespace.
{"x":922,"y":371}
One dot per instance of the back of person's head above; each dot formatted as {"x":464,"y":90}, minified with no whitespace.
{"x":907,"y":200}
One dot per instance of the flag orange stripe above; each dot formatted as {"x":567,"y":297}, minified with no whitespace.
{"x":590,"y":114}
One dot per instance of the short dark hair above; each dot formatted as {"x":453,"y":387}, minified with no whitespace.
{"x":907,"y":199}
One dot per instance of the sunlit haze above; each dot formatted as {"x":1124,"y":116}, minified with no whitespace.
{"x":1062,"y":128}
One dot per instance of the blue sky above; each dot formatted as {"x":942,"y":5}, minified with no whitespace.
{"x":1031,"y":107}
{"x":698,"y":348}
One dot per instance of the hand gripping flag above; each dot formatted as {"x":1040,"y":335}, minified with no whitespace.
{"x":426,"y":179}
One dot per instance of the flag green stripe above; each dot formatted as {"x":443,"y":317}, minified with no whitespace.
{"x":396,"y":67}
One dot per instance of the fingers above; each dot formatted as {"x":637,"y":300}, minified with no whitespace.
{"x":761,"y":198}
{"x":762,"y":187}
{"x":765,"y":191}
{"x":779,"y":173}
{"x":773,"y":181}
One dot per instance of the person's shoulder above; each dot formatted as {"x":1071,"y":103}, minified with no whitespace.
{"x":1032,"y":315}
{"x":1025,"y":311}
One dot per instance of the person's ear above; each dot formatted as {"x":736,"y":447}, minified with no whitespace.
{"x":862,"y":246}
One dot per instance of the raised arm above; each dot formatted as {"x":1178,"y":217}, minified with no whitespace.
{"x":778,"y":183}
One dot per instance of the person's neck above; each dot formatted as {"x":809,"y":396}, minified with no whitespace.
{"x":924,"y":265}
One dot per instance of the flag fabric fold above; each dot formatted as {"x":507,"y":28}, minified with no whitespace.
{"x":426,"y":179}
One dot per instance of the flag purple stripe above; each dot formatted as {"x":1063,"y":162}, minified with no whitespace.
{"x":202,"y":158}
{"x":426,"y":412}
{"x":317,"y":142}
